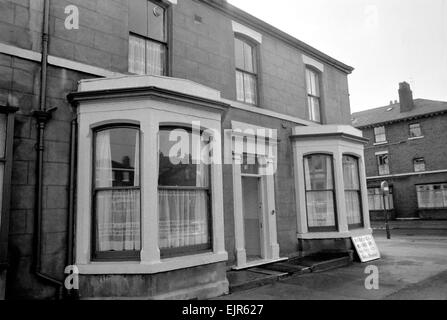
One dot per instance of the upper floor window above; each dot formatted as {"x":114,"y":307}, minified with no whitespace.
{"x":419,"y":164}
{"x":116,"y":194}
{"x":415,"y":130}
{"x":184,"y":192}
{"x":379,"y":134}
{"x":351,"y":179}
{"x":383,"y":164}
{"x":432,"y":196}
{"x":320,"y":192}
{"x":148,"y":44}
{"x":313,"y":95}
{"x":246,"y":72}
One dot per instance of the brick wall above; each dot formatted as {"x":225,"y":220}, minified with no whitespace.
{"x":402,"y":152}
{"x":205,"y":53}
{"x":201,"y":52}
{"x":19,"y":86}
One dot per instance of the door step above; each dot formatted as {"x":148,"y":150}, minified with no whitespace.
{"x":270,"y":273}
{"x":252,"y":278}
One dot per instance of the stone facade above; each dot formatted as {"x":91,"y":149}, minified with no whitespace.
{"x":200,"y":52}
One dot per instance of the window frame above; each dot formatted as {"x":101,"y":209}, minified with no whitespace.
{"x":378,"y":156}
{"x":376,"y":135}
{"x":410,"y":130}
{"x":423,"y":162}
{"x":318,"y":73}
{"x":98,"y":256}
{"x":334,"y":228}
{"x":256,"y":67}
{"x":390,"y":198}
{"x":194,"y":249}
{"x":7,"y":160}
{"x":168,"y":41}
{"x":442,"y":185}
{"x":359,"y":191}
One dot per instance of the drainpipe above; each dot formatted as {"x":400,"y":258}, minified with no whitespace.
{"x":43,"y":115}
{"x":74,"y":294}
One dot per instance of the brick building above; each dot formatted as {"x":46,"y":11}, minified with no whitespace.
{"x":83,"y":110}
{"x":407,"y":148}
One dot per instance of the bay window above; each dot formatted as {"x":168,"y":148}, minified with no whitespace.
{"x":246,"y":72}
{"x":320,"y":192}
{"x":116,"y":193}
{"x":351,"y":181}
{"x":183,"y":193}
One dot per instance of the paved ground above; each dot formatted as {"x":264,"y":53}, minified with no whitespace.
{"x":413,"y":266}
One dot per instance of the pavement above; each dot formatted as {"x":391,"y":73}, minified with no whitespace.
{"x":413,"y":266}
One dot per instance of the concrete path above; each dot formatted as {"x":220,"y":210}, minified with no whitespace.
{"x":413,"y":266}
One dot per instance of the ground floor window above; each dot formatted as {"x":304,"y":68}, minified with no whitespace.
{"x":375,"y":199}
{"x":183,"y":192}
{"x":320,"y":192}
{"x":432,"y":196}
{"x":117,"y":193}
{"x":6,"y":150}
{"x":351,"y":181}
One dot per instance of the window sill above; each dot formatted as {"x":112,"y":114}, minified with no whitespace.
{"x":416,"y":138}
{"x":171,"y":264}
{"x":380,"y":143}
{"x":334,"y":235}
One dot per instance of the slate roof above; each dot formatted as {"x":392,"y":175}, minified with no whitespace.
{"x":391,"y":113}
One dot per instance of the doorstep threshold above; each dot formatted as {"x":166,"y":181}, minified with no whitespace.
{"x":258,"y":263}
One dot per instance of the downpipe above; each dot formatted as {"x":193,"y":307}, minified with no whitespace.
{"x":43,"y":115}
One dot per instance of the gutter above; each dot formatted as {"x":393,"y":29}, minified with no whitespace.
{"x":254,"y":22}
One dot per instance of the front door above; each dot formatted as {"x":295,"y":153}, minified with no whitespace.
{"x":253,"y":222}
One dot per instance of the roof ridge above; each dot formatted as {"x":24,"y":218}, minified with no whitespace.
{"x":396,"y":104}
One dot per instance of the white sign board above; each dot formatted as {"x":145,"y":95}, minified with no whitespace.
{"x":366,"y":248}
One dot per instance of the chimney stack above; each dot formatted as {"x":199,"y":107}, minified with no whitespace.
{"x":405,"y":97}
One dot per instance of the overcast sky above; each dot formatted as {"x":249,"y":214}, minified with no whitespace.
{"x":386,"y":41}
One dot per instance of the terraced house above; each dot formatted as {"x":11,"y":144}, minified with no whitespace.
{"x":90,"y":114}
{"x":406,"y":147}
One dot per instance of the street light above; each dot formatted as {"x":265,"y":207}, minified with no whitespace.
{"x":385,"y":192}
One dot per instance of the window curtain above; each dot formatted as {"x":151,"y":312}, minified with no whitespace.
{"x":352,"y":190}
{"x":155,"y":56}
{"x":3,"y":124}
{"x":183,"y":214}
{"x":117,"y":211}
{"x":432,"y":196}
{"x":250,"y":88}
{"x":240,"y":86}
{"x":319,"y":191}
{"x":2,"y":172}
{"x":137,"y":59}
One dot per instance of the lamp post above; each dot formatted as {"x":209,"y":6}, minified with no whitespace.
{"x":385,"y":192}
